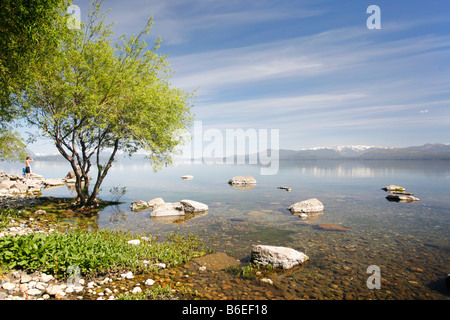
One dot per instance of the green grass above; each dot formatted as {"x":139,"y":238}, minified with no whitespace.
{"x":95,"y":253}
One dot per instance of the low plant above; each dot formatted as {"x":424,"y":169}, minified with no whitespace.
{"x":94,"y":253}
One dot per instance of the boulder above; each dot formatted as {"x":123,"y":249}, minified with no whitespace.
{"x":139,"y":205}
{"x":307,"y":206}
{"x":23,"y":188}
{"x":53,"y":182}
{"x":242,"y":180}
{"x":193,"y":206}
{"x":167,"y":209}
{"x":187,"y":177}
{"x":401,"y":198}
{"x":393,"y":187}
{"x":154,"y":202}
{"x":277,"y":256}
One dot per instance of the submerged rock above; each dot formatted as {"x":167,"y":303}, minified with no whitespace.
{"x":308,"y":206}
{"x":401,"y":198}
{"x":277,"y":256}
{"x":331,"y":227}
{"x":167,"y":209}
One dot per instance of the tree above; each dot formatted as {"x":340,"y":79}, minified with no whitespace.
{"x":95,"y":97}
{"x":27,"y":37}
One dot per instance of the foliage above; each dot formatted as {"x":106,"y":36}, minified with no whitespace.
{"x":95,"y":96}
{"x":12,"y":148}
{"x":27,"y":38}
{"x":156,"y":292}
{"x":94,"y":253}
{"x":116,"y":193}
{"x":6,"y":215}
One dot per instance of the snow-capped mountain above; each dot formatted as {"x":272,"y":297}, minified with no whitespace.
{"x":349,"y":151}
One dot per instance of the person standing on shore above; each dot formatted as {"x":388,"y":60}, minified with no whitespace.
{"x":28,"y":167}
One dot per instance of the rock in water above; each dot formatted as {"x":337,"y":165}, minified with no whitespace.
{"x":167,"y":209}
{"x":393,"y":187}
{"x":139,"y":205}
{"x":155,"y":201}
{"x":310,"y":205}
{"x":193,"y":206}
{"x":242,"y":180}
{"x":401,"y":198}
{"x":277,"y":256}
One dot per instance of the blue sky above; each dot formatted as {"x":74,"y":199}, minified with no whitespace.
{"x":311,"y":69}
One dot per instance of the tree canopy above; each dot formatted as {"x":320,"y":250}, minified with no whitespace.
{"x":27,"y":37}
{"x":95,"y":96}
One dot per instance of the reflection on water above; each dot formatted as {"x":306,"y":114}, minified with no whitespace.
{"x":408,"y":241}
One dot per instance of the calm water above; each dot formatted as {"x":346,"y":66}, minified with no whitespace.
{"x":409,"y":242}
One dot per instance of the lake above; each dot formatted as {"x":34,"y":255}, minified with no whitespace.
{"x":408,"y":242}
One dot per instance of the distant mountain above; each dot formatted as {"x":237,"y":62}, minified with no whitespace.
{"x":427,"y":151}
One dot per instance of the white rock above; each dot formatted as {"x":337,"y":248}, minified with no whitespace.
{"x":55,"y":289}
{"x":8,"y":286}
{"x":128,"y":275}
{"x":193,"y":206}
{"x":46,"y":277}
{"x":242,"y":180}
{"x":34,"y":292}
{"x":69,"y":289}
{"x":187,"y":177}
{"x":155,"y":202}
{"x":149,"y":282}
{"x":277,"y":256}
{"x":91,"y":284}
{"x":310,"y":205}
{"x":267,"y":280}
{"x":135,"y":242}
{"x":136,"y":290}
{"x":167,"y":209}
{"x":25,"y":278}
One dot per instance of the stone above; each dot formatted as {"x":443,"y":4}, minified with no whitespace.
{"x":149,"y":282}
{"x":307,"y":206}
{"x":34,"y":292}
{"x":267,"y":280}
{"x":25,"y":278}
{"x":193,"y":206}
{"x":46,"y":277}
{"x":242,"y":180}
{"x":277,"y":256}
{"x":155,"y":201}
{"x":8,"y":286}
{"x":187,"y":177}
{"x":53,"y":182}
{"x":40,"y":212}
{"x":168,"y":209}
{"x":393,"y":187}
{"x":139,"y":205}
{"x":55,"y":288}
{"x":136,"y":290}
{"x":135,"y":242}
{"x":401,"y":198}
